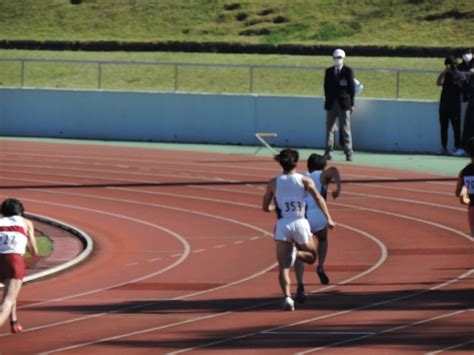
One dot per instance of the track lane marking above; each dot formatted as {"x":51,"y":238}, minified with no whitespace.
{"x":453,"y":347}
{"x":380,"y":261}
{"x":390,"y":330}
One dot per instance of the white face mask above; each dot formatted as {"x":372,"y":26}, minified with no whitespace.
{"x":467,"y":57}
{"x":338,"y":62}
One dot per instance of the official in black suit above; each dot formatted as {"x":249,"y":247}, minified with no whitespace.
{"x":339,"y":92}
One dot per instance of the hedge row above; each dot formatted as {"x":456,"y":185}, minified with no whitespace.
{"x":223,"y":47}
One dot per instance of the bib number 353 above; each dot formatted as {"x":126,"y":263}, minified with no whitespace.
{"x":293,"y":206}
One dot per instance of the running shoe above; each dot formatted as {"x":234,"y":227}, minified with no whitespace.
{"x":300,"y":295}
{"x":15,"y":327}
{"x":291,"y":258}
{"x":322,"y":276}
{"x":288,"y":304}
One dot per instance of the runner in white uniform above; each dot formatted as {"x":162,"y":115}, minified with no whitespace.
{"x":290,"y":205}
{"x":321,"y":177}
{"x":16,"y":235}
{"x":286,"y":195}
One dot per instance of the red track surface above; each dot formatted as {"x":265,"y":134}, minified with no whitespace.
{"x":179,"y":268}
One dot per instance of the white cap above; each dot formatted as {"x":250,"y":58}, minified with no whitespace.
{"x":339,"y":53}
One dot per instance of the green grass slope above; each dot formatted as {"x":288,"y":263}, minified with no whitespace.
{"x":341,"y":22}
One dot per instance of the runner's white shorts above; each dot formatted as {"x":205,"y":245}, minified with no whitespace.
{"x":317,"y":219}
{"x":293,"y":230}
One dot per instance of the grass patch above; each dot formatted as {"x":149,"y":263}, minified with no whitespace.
{"x":374,"y":22}
{"x":45,"y":246}
{"x":329,"y":32}
{"x":214,"y":79}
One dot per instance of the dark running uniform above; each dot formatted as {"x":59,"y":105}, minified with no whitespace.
{"x":467,"y":175}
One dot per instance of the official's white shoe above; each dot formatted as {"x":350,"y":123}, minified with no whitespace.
{"x":458,"y":153}
{"x":288,"y":304}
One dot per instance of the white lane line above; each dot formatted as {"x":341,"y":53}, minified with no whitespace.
{"x":255,"y":238}
{"x":182,"y":240}
{"x":465,"y":235}
{"x":154,"y":259}
{"x":402,"y":216}
{"x":198,"y":251}
{"x":365,"y":306}
{"x":206,"y":178}
{"x":379,"y":262}
{"x":239,"y":242}
{"x":192,"y":320}
{"x":390,"y":330}
{"x":398,"y":216}
{"x":260,"y":230}
{"x":129,"y":264}
{"x":330,"y":315}
{"x":220,"y":246}
{"x":416,"y":202}
{"x":130,"y":172}
{"x":317,"y":333}
{"x":456,"y":346}
{"x":188,"y":164}
{"x":176,"y":255}
{"x":199,"y":198}
{"x":408,"y":189}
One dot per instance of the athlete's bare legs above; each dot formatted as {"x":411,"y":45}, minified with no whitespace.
{"x":283,"y":249}
{"x":306,"y":253}
{"x":13,"y":317}
{"x":322,"y":237}
{"x":10,"y":294}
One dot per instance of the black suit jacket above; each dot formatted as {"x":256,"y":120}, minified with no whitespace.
{"x":342,"y":89}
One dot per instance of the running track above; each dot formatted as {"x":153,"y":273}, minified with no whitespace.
{"x":179,"y":267}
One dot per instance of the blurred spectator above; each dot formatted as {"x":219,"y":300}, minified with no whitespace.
{"x":464,"y":68}
{"x":450,"y":105}
{"x":468,"y":131}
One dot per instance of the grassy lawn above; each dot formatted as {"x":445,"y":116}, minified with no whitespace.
{"x":45,"y":246}
{"x":218,"y":79}
{"x":374,"y":22}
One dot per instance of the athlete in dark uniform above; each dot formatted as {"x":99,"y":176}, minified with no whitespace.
{"x":465,"y":186}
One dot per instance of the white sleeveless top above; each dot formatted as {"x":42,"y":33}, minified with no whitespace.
{"x":290,"y":196}
{"x":13,"y":235}
{"x":316,"y":177}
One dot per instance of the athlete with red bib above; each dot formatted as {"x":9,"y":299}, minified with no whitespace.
{"x":16,"y":235}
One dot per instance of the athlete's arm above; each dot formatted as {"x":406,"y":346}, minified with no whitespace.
{"x":309,"y":186}
{"x":459,"y":185}
{"x":464,"y":196}
{"x":32,"y":247}
{"x":267,"y":205}
{"x":332,"y":175}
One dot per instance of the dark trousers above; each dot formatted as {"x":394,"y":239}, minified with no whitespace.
{"x":444,"y":118}
{"x":468,"y":130}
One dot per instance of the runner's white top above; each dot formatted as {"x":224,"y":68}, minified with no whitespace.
{"x":290,"y":196}
{"x":13,"y":237}
{"x":316,"y":177}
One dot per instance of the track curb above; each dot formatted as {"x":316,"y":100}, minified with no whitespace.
{"x":85,"y":239}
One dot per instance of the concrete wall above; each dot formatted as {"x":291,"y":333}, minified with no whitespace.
{"x":377,"y":125}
